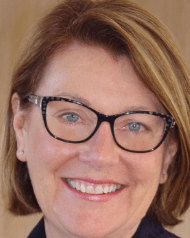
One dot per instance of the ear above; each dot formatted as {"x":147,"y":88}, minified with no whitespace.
{"x":19,"y":126}
{"x":169,"y":155}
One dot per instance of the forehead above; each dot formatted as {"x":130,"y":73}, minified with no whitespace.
{"x":95,"y":77}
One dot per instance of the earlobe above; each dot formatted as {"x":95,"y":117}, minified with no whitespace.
{"x":170,"y":154}
{"x":18,"y":125}
{"x":20,"y":155}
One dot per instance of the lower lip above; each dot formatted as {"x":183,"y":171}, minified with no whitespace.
{"x":93,"y":197}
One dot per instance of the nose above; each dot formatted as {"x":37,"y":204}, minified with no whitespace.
{"x":100,"y":151}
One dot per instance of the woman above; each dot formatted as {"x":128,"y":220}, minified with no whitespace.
{"x":98,"y":124}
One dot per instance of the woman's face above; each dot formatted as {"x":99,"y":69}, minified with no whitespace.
{"x":110,"y":86}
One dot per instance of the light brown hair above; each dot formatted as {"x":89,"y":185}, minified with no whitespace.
{"x":123,"y":28}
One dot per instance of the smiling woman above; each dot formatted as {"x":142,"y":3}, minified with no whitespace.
{"x":98,"y":124}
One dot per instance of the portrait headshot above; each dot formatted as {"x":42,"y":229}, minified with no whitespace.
{"x":95,"y":127}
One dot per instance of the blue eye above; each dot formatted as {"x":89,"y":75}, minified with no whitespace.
{"x":72,"y":117}
{"x":134,"y":126}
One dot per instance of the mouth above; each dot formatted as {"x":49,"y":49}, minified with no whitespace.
{"x":93,"y":187}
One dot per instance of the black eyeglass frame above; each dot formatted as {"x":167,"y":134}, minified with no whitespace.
{"x":42,"y":102}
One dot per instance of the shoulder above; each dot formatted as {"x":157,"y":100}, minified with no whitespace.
{"x":152,"y":229}
{"x":38,"y":231}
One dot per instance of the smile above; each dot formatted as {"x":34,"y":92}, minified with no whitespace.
{"x":92,"y":188}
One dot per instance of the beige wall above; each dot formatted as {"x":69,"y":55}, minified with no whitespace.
{"x":16,"y":18}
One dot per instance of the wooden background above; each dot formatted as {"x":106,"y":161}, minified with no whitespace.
{"x":16,"y":19}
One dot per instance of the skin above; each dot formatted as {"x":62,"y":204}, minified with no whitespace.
{"x":109,"y":85}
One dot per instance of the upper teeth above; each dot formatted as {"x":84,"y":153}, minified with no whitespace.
{"x":86,"y":187}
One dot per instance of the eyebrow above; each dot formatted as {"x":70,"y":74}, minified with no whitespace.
{"x":136,"y":108}
{"x":74,"y":97}
{"x":130,"y":108}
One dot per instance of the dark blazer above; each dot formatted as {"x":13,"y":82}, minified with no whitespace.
{"x":148,"y":229}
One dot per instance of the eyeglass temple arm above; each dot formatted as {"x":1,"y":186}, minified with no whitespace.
{"x":173,"y":123}
{"x":37,"y":100}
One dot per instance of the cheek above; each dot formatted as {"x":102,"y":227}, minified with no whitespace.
{"x":145,"y":176}
{"x":46,"y":156}
{"x":145,"y":169}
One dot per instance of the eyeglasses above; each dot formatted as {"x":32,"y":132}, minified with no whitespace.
{"x":73,"y":122}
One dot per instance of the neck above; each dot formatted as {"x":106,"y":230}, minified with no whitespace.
{"x":53,"y":231}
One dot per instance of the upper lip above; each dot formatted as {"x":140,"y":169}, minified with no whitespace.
{"x":93,"y":181}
